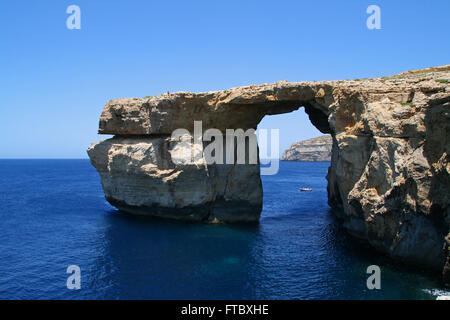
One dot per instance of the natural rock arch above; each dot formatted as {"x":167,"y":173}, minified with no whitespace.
{"x":389,"y":171}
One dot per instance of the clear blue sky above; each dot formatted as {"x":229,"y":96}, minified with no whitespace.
{"x":55,"y":81}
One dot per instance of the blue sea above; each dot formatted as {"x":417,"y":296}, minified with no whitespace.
{"x":53,"y":214}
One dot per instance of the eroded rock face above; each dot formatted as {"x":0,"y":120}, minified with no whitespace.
{"x":315,"y":149}
{"x":139,"y":176}
{"x":389,"y":173}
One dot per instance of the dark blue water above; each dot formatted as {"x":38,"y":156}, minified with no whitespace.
{"x":53,"y":214}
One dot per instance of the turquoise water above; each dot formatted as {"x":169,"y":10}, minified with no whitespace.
{"x":53,"y":215}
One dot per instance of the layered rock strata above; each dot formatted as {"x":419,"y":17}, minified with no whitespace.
{"x":315,"y":149}
{"x":389,"y":174}
{"x":139,"y":176}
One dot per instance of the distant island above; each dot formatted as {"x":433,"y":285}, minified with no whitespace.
{"x":315,"y":149}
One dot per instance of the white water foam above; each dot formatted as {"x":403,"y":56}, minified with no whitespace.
{"x":438,"y":293}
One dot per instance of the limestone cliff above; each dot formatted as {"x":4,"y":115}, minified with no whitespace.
{"x":139,"y":176}
{"x":389,"y":174}
{"x":315,"y":149}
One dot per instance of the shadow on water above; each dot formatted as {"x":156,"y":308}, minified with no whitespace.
{"x":154,"y":258}
{"x":398,"y":280}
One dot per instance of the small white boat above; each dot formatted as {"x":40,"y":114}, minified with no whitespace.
{"x":305,"y":189}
